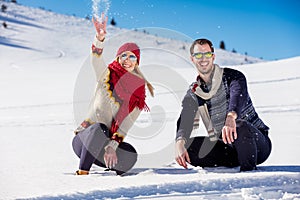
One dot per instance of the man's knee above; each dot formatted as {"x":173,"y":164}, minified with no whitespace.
{"x":241,"y":124}
{"x":243,"y":129}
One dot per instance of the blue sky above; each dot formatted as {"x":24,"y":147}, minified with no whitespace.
{"x":268,"y":29}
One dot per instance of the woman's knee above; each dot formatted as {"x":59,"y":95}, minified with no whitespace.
{"x":127,"y":149}
{"x":93,"y":134}
{"x":77,"y":145}
{"x":90,"y":138}
{"x":127,"y":157}
{"x":127,"y":152}
{"x":98,"y":128}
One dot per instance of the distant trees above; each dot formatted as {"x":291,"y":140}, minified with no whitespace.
{"x":222,"y":45}
{"x":87,"y":17}
{"x":3,"y":8}
{"x":13,"y":1}
{"x":113,"y":22}
{"x":4,"y":24}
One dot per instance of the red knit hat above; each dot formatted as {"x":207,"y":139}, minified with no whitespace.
{"x":134,"y":48}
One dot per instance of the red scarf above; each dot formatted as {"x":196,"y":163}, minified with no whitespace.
{"x":129,"y":90}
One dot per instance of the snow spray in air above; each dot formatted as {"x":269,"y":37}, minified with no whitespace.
{"x":100,"y":6}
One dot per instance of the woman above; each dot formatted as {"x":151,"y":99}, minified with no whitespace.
{"x":118,"y":101}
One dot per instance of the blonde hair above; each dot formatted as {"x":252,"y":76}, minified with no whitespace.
{"x":149,"y":85}
{"x":139,"y":73}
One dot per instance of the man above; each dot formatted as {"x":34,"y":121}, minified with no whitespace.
{"x":219,"y":98}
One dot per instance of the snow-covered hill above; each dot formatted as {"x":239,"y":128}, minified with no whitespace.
{"x":43,"y":75}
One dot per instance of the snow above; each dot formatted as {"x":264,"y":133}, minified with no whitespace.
{"x":46,"y":84}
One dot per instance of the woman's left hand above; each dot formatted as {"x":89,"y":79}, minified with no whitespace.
{"x":110,"y":157}
{"x":100,"y":27}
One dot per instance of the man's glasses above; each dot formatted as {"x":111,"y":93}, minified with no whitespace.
{"x":200,"y":55}
{"x":132,"y":58}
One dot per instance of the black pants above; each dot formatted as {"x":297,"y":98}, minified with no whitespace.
{"x":89,"y":147}
{"x":249,"y":149}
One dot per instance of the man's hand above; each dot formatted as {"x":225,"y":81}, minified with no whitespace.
{"x":181,"y":154}
{"x":110,"y":157}
{"x":100,"y":27}
{"x":229,"y":130}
